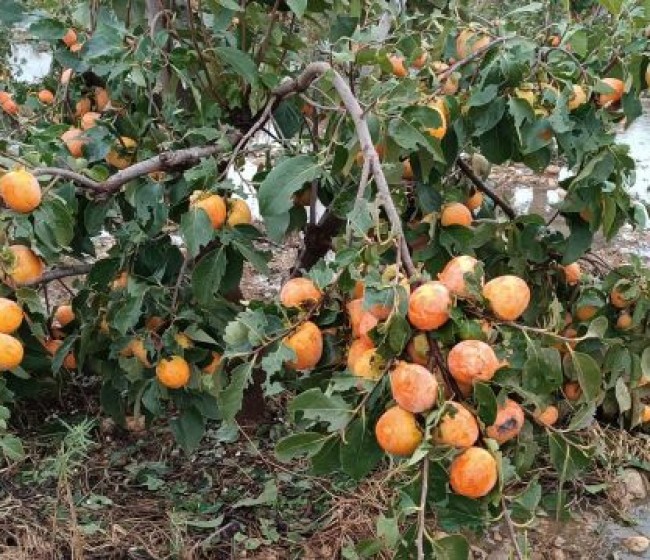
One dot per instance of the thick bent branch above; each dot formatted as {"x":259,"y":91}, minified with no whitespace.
{"x":176,"y":160}
{"x":301,"y":83}
{"x":481,"y":186}
{"x":63,"y":272}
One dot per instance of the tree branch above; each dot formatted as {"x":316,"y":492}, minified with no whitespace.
{"x":479,"y":53}
{"x":481,"y":186}
{"x":300,"y":84}
{"x":419,"y":543}
{"x":63,"y":272}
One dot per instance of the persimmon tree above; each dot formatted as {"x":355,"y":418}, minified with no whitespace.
{"x":425,"y":318}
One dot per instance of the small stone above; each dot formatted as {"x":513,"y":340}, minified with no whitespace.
{"x":553,"y":170}
{"x":558,"y":554}
{"x":497,"y":536}
{"x":635,"y":484}
{"x":558,"y":542}
{"x":638,"y":545}
{"x":499,"y":555}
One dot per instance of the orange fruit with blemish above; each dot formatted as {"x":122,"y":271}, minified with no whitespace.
{"x":356,"y":350}
{"x":455,"y":214}
{"x":420,"y":61}
{"x":154,"y":323}
{"x":397,"y":432}
{"x":213,"y":205}
{"x":473,"y":473}
{"x":136,"y":349}
{"x":618,"y":299}
{"x":457,"y":427}
{"x":11,"y":316}
{"x":122,"y":154}
{"x":46,"y":97}
{"x":299,"y":292}
{"x":369,"y":365}
{"x":70,"y":37}
{"x":20,"y":191}
{"x":27,"y":267}
{"x":617,"y":88}
{"x":414,"y":387}
{"x":173,"y":372}
{"x":508,"y":423}
{"x":578,"y":97}
{"x":453,"y":275}
{"x":472,"y":360}
{"x":572,"y":273}
{"x":307,"y":343}
{"x":440,"y":131}
{"x":238,"y":212}
{"x":429,"y":306}
{"x":398,"y":67}
{"x":508,"y":296}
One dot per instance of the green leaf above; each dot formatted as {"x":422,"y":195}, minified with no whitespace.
{"x":12,"y":447}
{"x":313,"y":404}
{"x":612,"y":6}
{"x":268,"y":497}
{"x":623,"y":397}
{"x":568,"y":459}
{"x":231,"y":397}
{"x":359,"y":451}
{"x":188,"y":429}
{"x":207,"y":276}
{"x":240,"y":62}
{"x":645,"y":362}
{"x":305,"y":443}
{"x":399,"y":333}
{"x":579,"y":241}
{"x":285,"y":179}
{"x":588,"y":373}
{"x":11,"y":13}
{"x":487,"y":403}
{"x":196,"y":229}
{"x":298,"y":7}
{"x":452,"y":547}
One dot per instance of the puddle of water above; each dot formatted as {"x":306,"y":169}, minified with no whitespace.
{"x":29,"y":64}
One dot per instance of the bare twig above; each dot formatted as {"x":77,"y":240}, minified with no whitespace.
{"x":479,"y":53}
{"x":63,"y":272}
{"x":179,"y":282}
{"x":450,"y":381}
{"x":573,"y":57}
{"x":481,"y":186}
{"x":363,"y":183}
{"x":199,"y":51}
{"x":419,"y":542}
{"x":511,"y":529}
{"x":273,"y":16}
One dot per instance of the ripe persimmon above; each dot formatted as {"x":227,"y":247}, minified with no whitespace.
{"x":457,"y":427}
{"x":617,"y":298}
{"x":617,"y":88}
{"x":173,"y":372}
{"x":572,"y":273}
{"x":82,"y":107}
{"x":508,"y":423}
{"x":407,"y":170}
{"x":20,"y":191}
{"x":299,"y":292}
{"x":455,"y":214}
{"x":357,"y":348}
{"x":508,"y":296}
{"x":418,"y":349}
{"x":572,"y":390}
{"x":440,"y":131}
{"x":453,"y":275}
{"x":10,"y":107}
{"x":624,"y":321}
{"x":70,"y":37}
{"x":645,"y":414}
{"x":46,"y":97}
{"x":183,"y":340}
{"x":136,"y":349}
{"x":473,"y":473}
{"x":367,"y":322}
{"x":420,"y":61}
{"x":399,"y":69}
{"x":212,"y":204}
{"x":154,"y":323}
{"x":213,"y":366}
{"x":307,"y":342}
{"x":74,"y":141}
{"x":429,"y":306}
{"x":64,"y":315}
{"x":475,"y":201}
{"x":414,"y":387}
{"x":89,"y":120}
{"x":102,"y":100}
{"x":548,"y":416}
{"x":52,"y":346}
{"x":11,"y":316}
{"x":27,"y":267}
{"x":122,"y":154}
{"x":238,"y":212}
{"x":472,"y":360}
{"x":369,"y":365}
{"x":578,"y":97}
{"x":355,"y":311}
{"x":397,"y":432}
{"x":11,"y":352}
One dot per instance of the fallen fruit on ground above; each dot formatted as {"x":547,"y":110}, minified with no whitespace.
{"x":414,"y":387}
{"x":508,"y":423}
{"x":20,"y":191}
{"x":307,"y":342}
{"x":429,"y":306}
{"x":173,"y":372}
{"x":457,"y":427}
{"x":300,"y":292}
{"x":472,"y":360}
{"x":473,"y":473}
{"x":11,"y":316}
{"x":508,"y":297}
{"x":397,"y":432}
